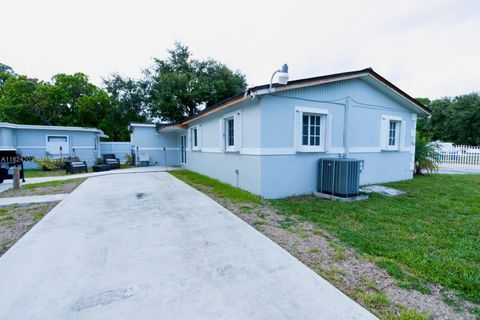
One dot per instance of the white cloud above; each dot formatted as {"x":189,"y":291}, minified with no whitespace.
{"x":427,"y":48}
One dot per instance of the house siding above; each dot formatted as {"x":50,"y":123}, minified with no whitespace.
{"x":148,"y":141}
{"x":296,"y":172}
{"x":223,"y":166}
{"x":267,"y":162}
{"x":287,"y":175}
{"x":32,"y":142}
{"x":7,"y":138}
{"x":235,"y":168}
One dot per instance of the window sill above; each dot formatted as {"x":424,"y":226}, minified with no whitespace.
{"x":391,"y":150}
{"x":312,"y":150}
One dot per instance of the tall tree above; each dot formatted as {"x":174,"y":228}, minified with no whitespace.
{"x":75,"y":87}
{"x":6,"y":72}
{"x":181,"y":86}
{"x":18,"y":98}
{"x":424,"y":127}
{"x":69,"y":100}
{"x":463,"y":119}
{"x":129,"y":103}
{"x":454,"y":119}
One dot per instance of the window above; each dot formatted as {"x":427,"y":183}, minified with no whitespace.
{"x":310,"y":129}
{"x":311,"y":125}
{"x":230,"y":132}
{"x":57,"y":138}
{"x":392,"y":133}
{"x":195,"y":137}
{"x":230,"y":124}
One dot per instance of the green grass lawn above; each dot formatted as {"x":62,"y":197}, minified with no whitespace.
{"x":430,"y":234}
{"x":38,"y":173}
{"x":217,"y":188}
{"x":55,"y":183}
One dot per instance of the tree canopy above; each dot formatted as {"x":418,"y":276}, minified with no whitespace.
{"x":174,"y":88}
{"x":454,"y":119}
{"x":69,"y":100}
{"x":181,"y":86}
{"x":171,"y":89}
{"x":130,"y":104}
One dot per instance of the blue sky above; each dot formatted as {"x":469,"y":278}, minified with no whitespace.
{"x":428,"y":48}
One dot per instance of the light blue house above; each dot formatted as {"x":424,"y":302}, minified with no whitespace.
{"x":57,"y":141}
{"x":268,"y":141}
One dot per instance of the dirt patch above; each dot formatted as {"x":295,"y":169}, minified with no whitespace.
{"x":15,"y":221}
{"x":39,"y":189}
{"x":350,"y":272}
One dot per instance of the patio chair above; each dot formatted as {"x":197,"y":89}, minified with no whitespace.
{"x":75,"y":166}
{"x":111,"y":160}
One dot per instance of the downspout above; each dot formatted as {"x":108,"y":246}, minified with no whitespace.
{"x":346,"y":128}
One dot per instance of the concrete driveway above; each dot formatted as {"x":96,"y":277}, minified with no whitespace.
{"x":147,"y":246}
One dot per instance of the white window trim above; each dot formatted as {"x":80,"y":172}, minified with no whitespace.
{"x":325,"y":126}
{"x":385,"y":133}
{"x":198,"y":147}
{"x":237,"y":125}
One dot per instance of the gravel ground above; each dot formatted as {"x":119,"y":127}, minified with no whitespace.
{"x":15,"y":221}
{"x":66,"y":186}
{"x":354,"y":275}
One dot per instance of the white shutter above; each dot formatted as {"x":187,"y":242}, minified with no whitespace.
{"x":384,"y":127}
{"x":297,"y":127}
{"x":237,"y":124}
{"x":403,"y":132}
{"x":199,"y":137}
{"x":189,"y":140}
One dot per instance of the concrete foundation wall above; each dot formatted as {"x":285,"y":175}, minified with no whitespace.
{"x":223,"y":166}
{"x":287,"y":175}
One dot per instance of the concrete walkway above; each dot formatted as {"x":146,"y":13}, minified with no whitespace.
{"x":7,"y":184}
{"x":147,"y":246}
{"x":5,"y":202}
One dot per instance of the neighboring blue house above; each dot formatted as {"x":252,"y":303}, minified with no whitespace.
{"x":269,"y":141}
{"x":148,"y":142}
{"x":56,"y":141}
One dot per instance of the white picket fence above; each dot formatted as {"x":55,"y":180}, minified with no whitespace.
{"x":459,"y":158}
{"x":120,"y":149}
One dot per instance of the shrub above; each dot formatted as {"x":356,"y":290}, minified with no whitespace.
{"x":129,"y":159}
{"x":48,"y":163}
{"x":426,"y":155}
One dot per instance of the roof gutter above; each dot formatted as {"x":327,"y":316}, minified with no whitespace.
{"x":226,"y":105}
{"x":402,"y":94}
